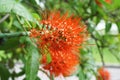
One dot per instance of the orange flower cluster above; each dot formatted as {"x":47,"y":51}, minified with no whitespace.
{"x":61,"y":37}
{"x":103,"y":74}
{"x":99,"y":3}
{"x":64,"y":63}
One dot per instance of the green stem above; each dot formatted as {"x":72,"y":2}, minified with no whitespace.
{"x":4,"y":18}
{"x":99,"y":50}
{"x":21,"y":24}
{"x":45,"y":73}
{"x":100,"y":53}
{"x":16,"y":34}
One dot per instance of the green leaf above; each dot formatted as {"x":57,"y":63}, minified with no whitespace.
{"x":118,"y":25}
{"x":93,"y":7}
{"x":4,"y":73}
{"x":37,"y":78}
{"x":102,"y":12}
{"x":2,"y":54}
{"x":12,"y":5}
{"x":32,"y":62}
{"x":48,"y":58}
{"x":6,"y":5}
{"x":9,"y":43}
{"x":19,"y":9}
{"x":108,"y":27}
{"x":115,"y":5}
{"x":17,"y":25}
{"x":81,"y":74}
{"x":90,"y":29}
{"x":36,"y":16}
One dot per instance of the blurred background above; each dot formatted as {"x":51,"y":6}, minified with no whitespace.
{"x":19,"y":59}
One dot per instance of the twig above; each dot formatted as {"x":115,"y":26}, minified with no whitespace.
{"x":99,"y":49}
{"x":45,"y":73}
{"x":4,"y":18}
{"x":16,"y":34}
{"x":51,"y":76}
{"x":100,"y":52}
{"x":112,"y":66}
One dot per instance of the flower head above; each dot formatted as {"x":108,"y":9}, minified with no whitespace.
{"x":62,"y":63}
{"x":34,"y":33}
{"x":103,"y":74}
{"x":62,"y":33}
{"x":61,"y":37}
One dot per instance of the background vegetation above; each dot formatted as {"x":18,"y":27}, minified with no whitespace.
{"x":17,"y":17}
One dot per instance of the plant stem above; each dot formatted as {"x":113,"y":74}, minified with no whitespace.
{"x":16,"y":34}
{"x":45,"y":73}
{"x":4,"y":18}
{"x":100,"y":52}
{"x":51,"y":76}
{"x":99,"y":49}
{"x":21,"y":24}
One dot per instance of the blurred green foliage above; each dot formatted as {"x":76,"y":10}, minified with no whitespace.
{"x":17,"y":17}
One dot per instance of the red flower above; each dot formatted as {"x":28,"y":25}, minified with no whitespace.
{"x":62,"y":63}
{"x":34,"y":33}
{"x":62,"y":33}
{"x":61,"y":36}
{"x":103,"y":74}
